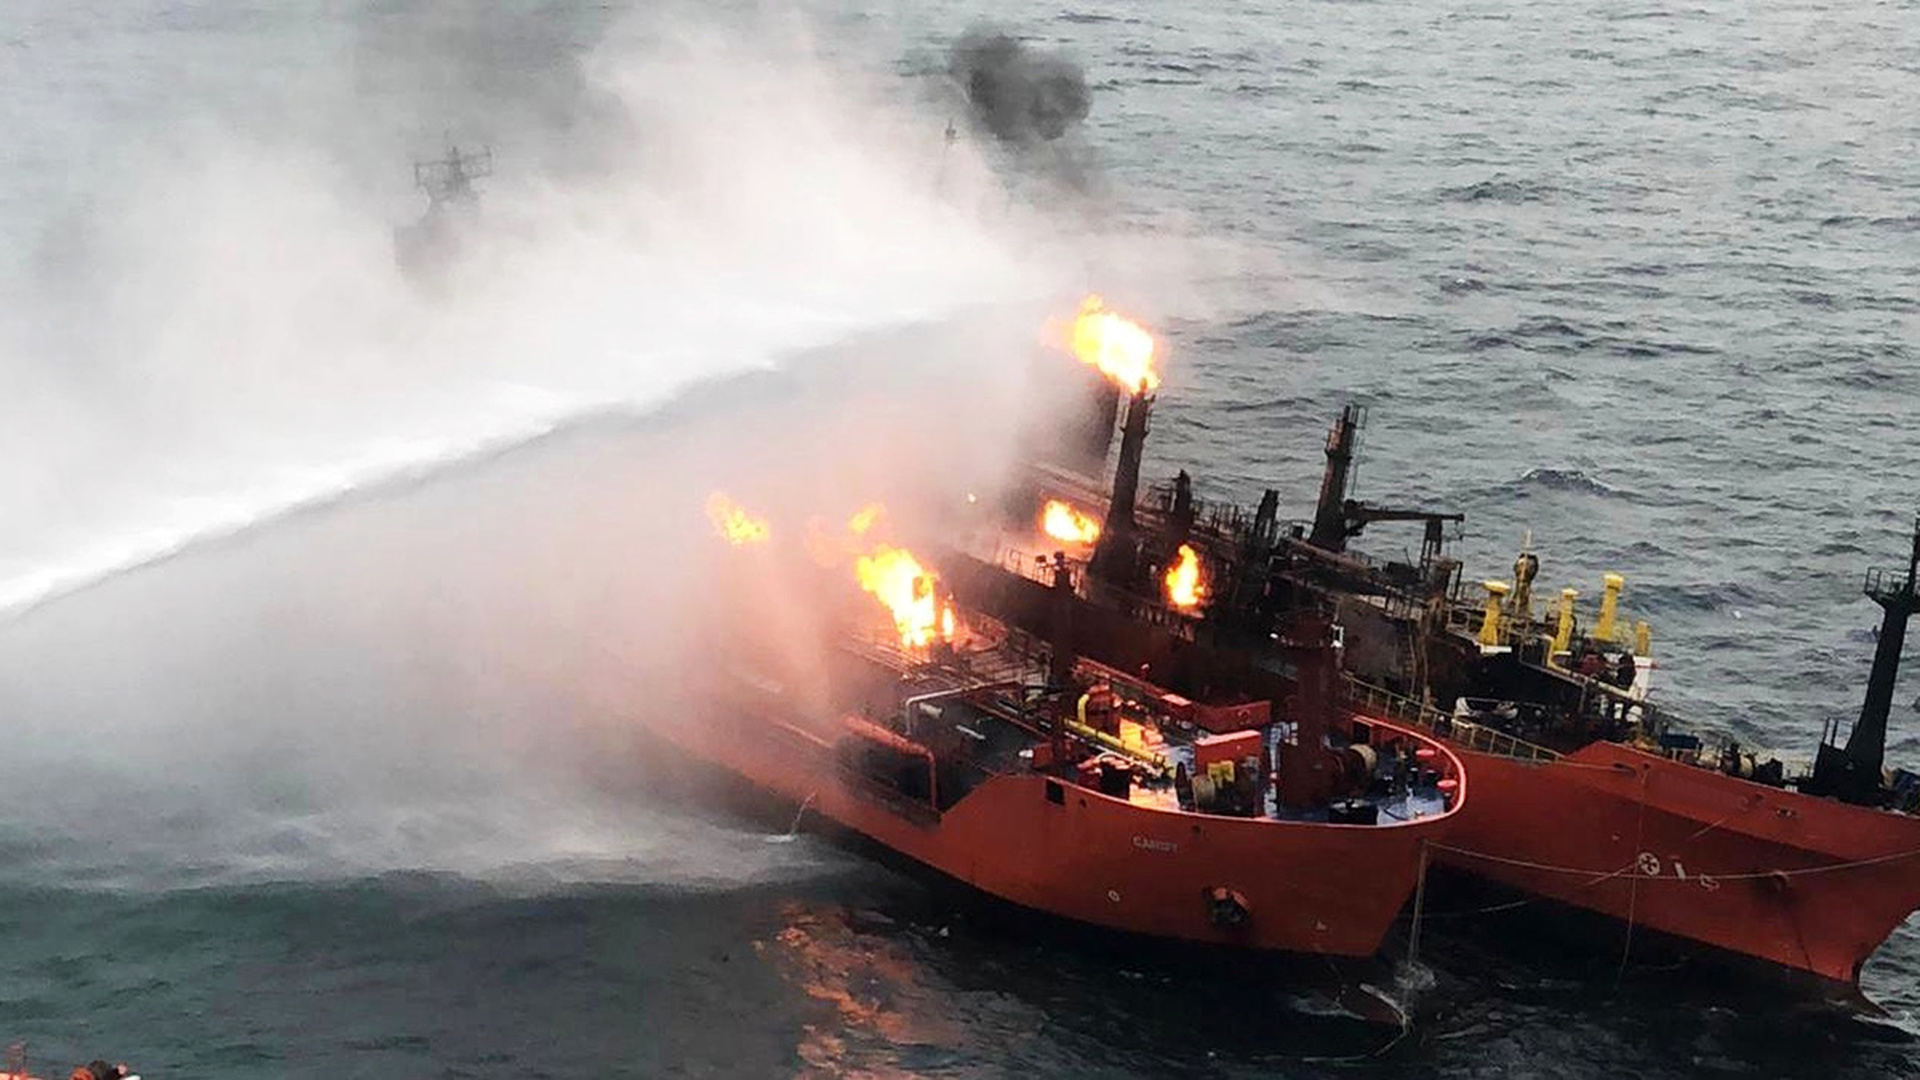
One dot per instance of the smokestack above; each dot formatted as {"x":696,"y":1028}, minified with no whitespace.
{"x":1113,"y":557}
{"x":1330,"y":515}
{"x":1867,"y":744}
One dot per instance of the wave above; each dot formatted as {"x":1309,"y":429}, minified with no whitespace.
{"x":1572,"y":480}
{"x":1902,"y":222}
{"x":1736,"y":597}
{"x":1498,"y":189}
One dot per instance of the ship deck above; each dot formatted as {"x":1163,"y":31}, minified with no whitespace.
{"x":978,"y":706}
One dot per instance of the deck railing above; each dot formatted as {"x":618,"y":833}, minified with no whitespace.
{"x":1480,"y":737}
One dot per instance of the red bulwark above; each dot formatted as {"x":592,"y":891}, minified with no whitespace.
{"x":1235,"y":748}
{"x":1225,"y":718}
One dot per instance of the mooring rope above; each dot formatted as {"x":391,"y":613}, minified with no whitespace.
{"x":1601,"y":875}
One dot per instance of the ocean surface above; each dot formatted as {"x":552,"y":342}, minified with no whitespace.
{"x":332,"y":591}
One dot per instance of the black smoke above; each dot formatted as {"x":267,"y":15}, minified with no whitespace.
{"x":1020,"y":94}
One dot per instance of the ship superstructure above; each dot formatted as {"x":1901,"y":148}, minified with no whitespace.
{"x":1586,"y":792}
{"x":1003,"y":758}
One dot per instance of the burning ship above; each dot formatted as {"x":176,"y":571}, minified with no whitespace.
{"x":1003,"y":758}
{"x":1585,"y":793}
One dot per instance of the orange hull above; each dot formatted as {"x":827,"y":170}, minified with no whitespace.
{"x":1310,"y":887}
{"x":1810,"y":884}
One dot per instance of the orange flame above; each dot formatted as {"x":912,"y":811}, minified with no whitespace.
{"x":906,"y":589}
{"x":1116,"y":345}
{"x":1184,"y":587}
{"x":1064,"y":523}
{"x":733,"y":522}
{"x":864,"y":519}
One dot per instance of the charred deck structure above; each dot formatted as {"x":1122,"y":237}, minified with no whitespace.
{"x":1586,"y":792}
{"x":1040,"y":777}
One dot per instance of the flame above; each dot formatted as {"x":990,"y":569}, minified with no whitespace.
{"x":733,"y":522}
{"x":1064,"y":523}
{"x":864,"y":519}
{"x":906,"y":589}
{"x":1116,"y":345}
{"x":1184,"y":587}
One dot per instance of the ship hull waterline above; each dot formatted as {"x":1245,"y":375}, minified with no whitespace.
{"x":1808,"y":884}
{"x":1067,"y":851}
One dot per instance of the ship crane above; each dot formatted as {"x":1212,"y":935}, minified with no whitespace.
{"x":1338,"y":519}
{"x":1358,"y":515}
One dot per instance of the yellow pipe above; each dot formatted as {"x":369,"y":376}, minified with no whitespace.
{"x":1142,"y":756}
{"x":1490,"y":626}
{"x":1609,"y":606}
{"x":1563,"y":636}
{"x":1642,"y":639}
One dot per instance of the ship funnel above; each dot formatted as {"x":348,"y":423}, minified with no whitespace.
{"x":1113,"y":557}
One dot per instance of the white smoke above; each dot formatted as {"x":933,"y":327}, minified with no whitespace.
{"x":219,"y":332}
{"x":226,"y":331}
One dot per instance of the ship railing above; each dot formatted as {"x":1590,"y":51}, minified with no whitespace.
{"x":1480,"y":737}
{"x":1157,"y":614}
{"x":1465,"y":619}
{"x":1036,"y":566}
{"x":1882,"y":583}
{"x":1713,"y":750}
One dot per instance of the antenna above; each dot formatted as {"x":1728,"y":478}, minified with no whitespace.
{"x":451,"y":178}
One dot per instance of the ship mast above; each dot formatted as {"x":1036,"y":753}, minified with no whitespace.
{"x":1867,"y":745}
{"x":1853,"y":774}
{"x":1329,"y":517}
{"x":1114,"y":556}
{"x":450,"y":180}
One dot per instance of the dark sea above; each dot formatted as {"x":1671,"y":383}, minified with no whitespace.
{"x":333,"y":590}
